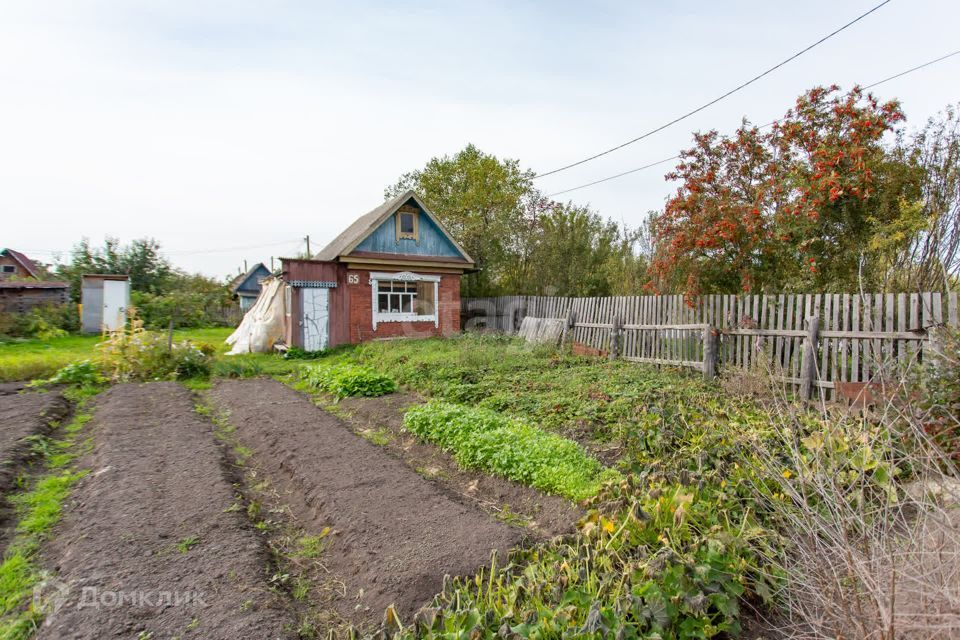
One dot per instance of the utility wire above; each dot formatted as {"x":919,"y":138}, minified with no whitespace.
{"x":916,"y":68}
{"x":225,"y":250}
{"x":677,"y":157}
{"x":715,"y":100}
{"x":186,"y":252}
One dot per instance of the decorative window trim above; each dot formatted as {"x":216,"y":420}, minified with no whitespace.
{"x":403,"y":276}
{"x":415,"y":235}
{"x":313,"y":284}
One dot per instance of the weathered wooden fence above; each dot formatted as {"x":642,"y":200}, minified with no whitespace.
{"x":809,"y":340}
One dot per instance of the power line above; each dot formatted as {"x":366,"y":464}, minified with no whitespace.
{"x":715,"y":100}
{"x":916,"y":68}
{"x":225,"y":250}
{"x":677,"y":157}
{"x":619,"y":175}
{"x":186,"y":252}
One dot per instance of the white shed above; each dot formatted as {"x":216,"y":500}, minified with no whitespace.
{"x":105,"y":299}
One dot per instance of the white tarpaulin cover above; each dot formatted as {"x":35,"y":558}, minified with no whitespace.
{"x":262,"y":326}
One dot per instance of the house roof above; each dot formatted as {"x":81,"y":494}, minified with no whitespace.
{"x":239,"y":281}
{"x":23,"y":261}
{"x":32,"y":284}
{"x":366,"y":224}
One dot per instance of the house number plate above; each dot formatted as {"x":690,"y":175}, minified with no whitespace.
{"x":353,"y":279}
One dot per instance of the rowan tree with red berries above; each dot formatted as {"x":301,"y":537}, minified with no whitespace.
{"x":781,"y":208}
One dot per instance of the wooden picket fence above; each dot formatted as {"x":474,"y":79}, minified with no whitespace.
{"x":813,"y":341}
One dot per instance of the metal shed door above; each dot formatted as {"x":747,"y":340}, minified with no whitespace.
{"x":114,"y":304}
{"x":316,"y":318}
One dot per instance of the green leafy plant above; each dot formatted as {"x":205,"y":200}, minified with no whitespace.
{"x":487,"y":440}
{"x":79,"y":373}
{"x":344,"y":380}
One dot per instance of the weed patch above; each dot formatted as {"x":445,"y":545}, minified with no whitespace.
{"x":344,"y":380}
{"x":38,"y":510}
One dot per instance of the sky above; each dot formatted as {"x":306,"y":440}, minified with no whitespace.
{"x":229,"y":131}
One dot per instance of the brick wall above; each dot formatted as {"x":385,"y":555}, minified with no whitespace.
{"x":361,"y":311}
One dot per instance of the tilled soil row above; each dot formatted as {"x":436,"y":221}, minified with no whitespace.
{"x":395,"y":534}
{"x":150,"y":544}
{"x":22,"y":415}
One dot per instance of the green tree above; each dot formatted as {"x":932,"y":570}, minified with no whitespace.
{"x":484,"y":202}
{"x":149,"y":271}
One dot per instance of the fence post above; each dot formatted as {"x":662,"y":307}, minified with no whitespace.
{"x":568,"y":326}
{"x":709,"y":353}
{"x":808,"y":368}
{"x":615,"y":338}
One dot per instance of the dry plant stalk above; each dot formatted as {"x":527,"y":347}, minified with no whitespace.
{"x":869,"y":509}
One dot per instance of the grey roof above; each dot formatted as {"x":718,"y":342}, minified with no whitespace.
{"x":363,"y":226}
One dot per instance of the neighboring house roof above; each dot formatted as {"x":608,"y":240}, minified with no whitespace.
{"x":32,"y":284}
{"x":366,"y":224}
{"x":247,"y":282}
{"x":23,"y":261}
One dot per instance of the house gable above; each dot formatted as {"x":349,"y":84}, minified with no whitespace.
{"x":250,"y":282}
{"x":379,"y":235}
{"x":430,"y":239}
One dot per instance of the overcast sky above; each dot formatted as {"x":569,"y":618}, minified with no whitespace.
{"x":230,"y":130}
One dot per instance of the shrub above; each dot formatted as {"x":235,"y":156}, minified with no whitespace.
{"x":487,"y":440}
{"x":136,"y":354}
{"x":348,"y":380}
{"x":42,"y":323}
{"x":83,"y":373}
{"x":936,"y":385}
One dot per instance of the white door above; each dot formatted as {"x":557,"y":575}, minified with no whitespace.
{"x":316,"y":318}
{"x":114,"y":304}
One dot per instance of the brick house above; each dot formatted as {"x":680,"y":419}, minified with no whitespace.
{"x":394,"y":272}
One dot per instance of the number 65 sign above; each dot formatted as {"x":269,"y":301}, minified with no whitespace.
{"x":353,"y":279}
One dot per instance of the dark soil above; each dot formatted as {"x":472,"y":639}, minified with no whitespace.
{"x":380,"y":420}
{"x":153,"y":518}
{"x":22,"y":415}
{"x":394,"y":534}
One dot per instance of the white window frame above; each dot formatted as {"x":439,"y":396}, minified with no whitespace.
{"x":404,"y":276}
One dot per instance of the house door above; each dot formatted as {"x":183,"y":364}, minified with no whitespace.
{"x":114,"y":304}
{"x":316,"y":318}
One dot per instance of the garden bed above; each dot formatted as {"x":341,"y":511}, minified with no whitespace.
{"x":393,"y":535}
{"x":152,"y":544}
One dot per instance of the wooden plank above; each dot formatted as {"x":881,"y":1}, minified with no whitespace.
{"x":879,"y":358}
{"x":889,"y":325}
{"x":824,"y":371}
{"x":866,"y":345}
{"x":900,"y":345}
{"x":926,"y":320}
{"x":855,"y":344}
{"x":914,"y":346}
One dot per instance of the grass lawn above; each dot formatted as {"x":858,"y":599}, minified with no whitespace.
{"x":31,"y":359}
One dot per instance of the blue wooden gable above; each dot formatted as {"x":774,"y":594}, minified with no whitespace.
{"x":432,"y":240}
{"x":251,"y":281}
